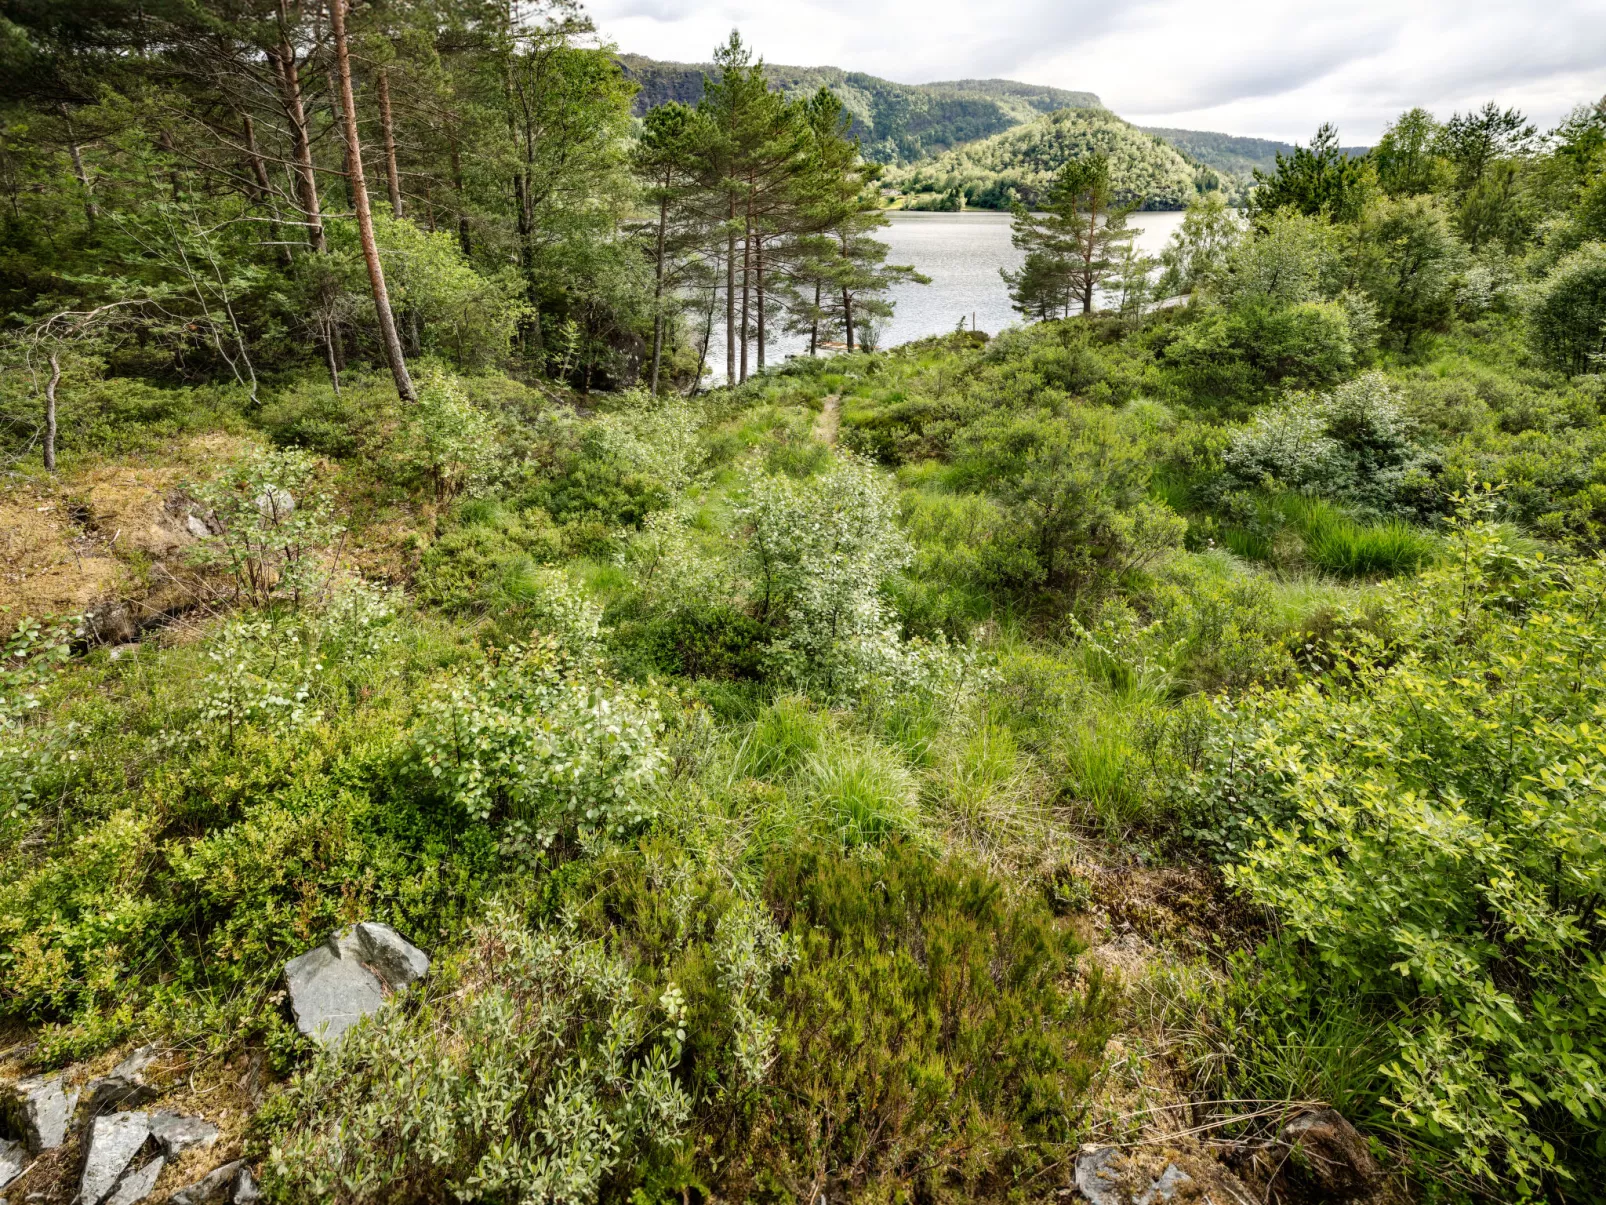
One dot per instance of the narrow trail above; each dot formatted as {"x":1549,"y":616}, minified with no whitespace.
{"x":830,"y":418}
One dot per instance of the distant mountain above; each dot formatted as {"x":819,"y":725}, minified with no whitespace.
{"x":1146,"y":170}
{"x":1230,"y":154}
{"x":895,"y":123}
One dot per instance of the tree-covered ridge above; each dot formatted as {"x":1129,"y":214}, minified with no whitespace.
{"x":1144,"y":170}
{"x":895,"y":123}
{"x":1230,"y":154}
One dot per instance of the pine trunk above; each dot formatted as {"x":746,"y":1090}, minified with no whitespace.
{"x":284,"y":63}
{"x":759,"y":263}
{"x":365,"y":219}
{"x":392,"y":176}
{"x":658,"y":290}
{"x":457,"y":186}
{"x":747,"y":278}
{"x":730,"y":296}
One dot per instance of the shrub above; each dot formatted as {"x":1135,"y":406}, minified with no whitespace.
{"x":534,"y":1067}
{"x":1567,"y":311}
{"x":937,"y":1036}
{"x":1425,"y":820}
{"x":273,"y":521}
{"x":540,"y":740}
{"x":445,"y":441}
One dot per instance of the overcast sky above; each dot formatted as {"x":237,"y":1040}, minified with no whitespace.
{"x":1267,"y":68}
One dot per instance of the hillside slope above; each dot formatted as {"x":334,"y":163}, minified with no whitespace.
{"x":1230,"y":154}
{"x":895,"y":123}
{"x":1147,"y":170}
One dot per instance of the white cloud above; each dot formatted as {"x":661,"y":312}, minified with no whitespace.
{"x":1260,"y":67}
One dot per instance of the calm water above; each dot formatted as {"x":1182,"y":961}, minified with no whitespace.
{"x":962,"y":253}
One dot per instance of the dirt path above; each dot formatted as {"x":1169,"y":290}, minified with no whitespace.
{"x":830,"y":419}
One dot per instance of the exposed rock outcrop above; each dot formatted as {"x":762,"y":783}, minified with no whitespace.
{"x":335,"y":985}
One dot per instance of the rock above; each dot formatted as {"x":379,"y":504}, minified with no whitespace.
{"x":124,"y":1086}
{"x":274,"y":504}
{"x":213,"y":1187}
{"x":399,"y":963}
{"x":1097,"y":1173}
{"x":336,"y":984}
{"x":245,"y":1188}
{"x":175,"y":1133}
{"x":197,"y":527}
{"x":39,"y":1109}
{"x":13,"y":1158}
{"x":130,"y":649}
{"x":137,"y":1185}
{"x":1165,"y":1188}
{"x":1331,"y":1154}
{"x":114,"y":1140}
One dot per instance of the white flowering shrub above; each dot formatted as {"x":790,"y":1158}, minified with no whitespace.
{"x":532,"y":1068}
{"x":268,"y":672}
{"x":261,"y":676}
{"x":540,"y":738}
{"x":271,"y":521}
{"x":1354,"y":443}
{"x":818,"y":554}
{"x":656,"y":437}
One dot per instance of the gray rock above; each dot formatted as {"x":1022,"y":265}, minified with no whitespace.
{"x":137,"y":1185}
{"x":398,"y":962}
{"x":175,"y":1133}
{"x":13,"y":1158}
{"x":1165,"y":1188}
{"x":335,"y":985}
{"x":197,"y":527}
{"x":1096,"y":1174}
{"x":124,"y":1086}
{"x":245,"y":1188}
{"x":211,"y":1188}
{"x":274,"y":504}
{"x":114,"y":1140}
{"x":40,"y":1109}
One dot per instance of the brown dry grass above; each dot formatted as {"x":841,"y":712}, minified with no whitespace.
{"x":105,"y":531}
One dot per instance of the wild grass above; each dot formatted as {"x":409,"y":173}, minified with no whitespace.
{"x":862,"y":792}
{"x":1349,"y":548}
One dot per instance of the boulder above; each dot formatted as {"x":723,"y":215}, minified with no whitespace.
{"x":1330,"y":1154}
{"x":216,"y":1186}
{"x":114,"y":1140}
{"x":124,"y":1086}
{"x":1098,"y":1173}
{"x":1165,"y":1188}
{"x":40,"y":1109}
{"x":176,"y":1134}
{"x":245,"y":1188}
{"x":137,"y":1185}
{"x":13,"y":1158}
{"x":336,"y":984}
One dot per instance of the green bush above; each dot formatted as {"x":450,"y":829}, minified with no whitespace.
{"x":1425,"y":821}
{"x":937,"y":1036}
{"x":1567,"y":311}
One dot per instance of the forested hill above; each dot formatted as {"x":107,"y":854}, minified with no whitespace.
{"x":895,"y":123}
{"x":1229,"y":153}
{"x":1145,"y":169}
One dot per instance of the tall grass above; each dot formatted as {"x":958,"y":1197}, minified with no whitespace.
{"x":1346,"y":547}
{"x":862,"y":792}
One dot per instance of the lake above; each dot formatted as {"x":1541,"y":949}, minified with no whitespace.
{"x":962,"y":253}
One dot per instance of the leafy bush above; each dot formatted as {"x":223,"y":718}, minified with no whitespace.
{"x":1425,"y":820}
{"x":1567,"y":311}
{"x":272,"y":522}
{"x":444,"y":439}
{"x":1354,"y":443}
{"x":533,"y":1068}
{"x":539,"y":739}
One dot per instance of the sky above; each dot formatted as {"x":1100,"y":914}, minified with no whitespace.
{"x":1263,"y":68}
